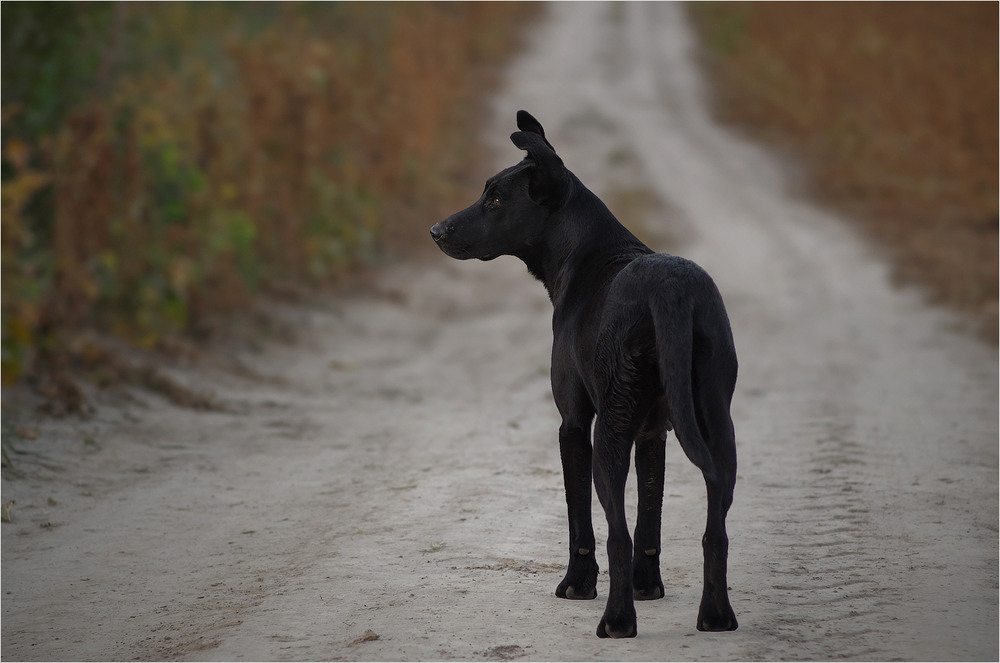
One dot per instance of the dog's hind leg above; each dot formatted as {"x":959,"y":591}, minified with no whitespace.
{"x":611,"y":464}
{"x":649,"y":464}
{"x":715,"y":612}
{"x":699,"y":372}
{"x":713,"y":395}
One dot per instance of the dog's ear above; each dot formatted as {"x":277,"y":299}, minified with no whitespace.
{"x":549,"y":183}
{"x":527,"y":122}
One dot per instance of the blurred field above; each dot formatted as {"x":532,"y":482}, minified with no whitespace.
{"x":165,"y":162}
{"x":893,"y":109}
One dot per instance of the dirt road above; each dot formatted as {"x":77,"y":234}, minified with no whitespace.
{"x":390,"y":488}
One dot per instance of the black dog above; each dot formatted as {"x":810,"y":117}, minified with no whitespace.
{"x":642,"y":341}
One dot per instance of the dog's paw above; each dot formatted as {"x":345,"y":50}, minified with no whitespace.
{"x":647,"y":593}
{"x":580,"y":582}
{"x":646,"y":582}
{"x":582,"y":592}
{"x":626,"y":630}
{"x":714,"y":620}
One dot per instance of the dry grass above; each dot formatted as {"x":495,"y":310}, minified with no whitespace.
{"x":893,"y":109}
{"x":194,"y":155}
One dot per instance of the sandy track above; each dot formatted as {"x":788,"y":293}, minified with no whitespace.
{"x":392,"y":489}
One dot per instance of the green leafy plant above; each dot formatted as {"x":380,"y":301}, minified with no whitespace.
{"x":163,"y":162}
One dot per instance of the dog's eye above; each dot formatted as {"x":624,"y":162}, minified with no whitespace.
{"x":494,"y":203}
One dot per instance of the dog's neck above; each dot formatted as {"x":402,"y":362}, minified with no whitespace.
{"x":572,"y":251}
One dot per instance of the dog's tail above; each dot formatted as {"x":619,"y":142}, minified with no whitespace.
{"x":673,"y":323}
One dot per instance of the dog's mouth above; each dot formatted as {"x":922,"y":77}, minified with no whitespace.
{"x":463,"y":252}
{"x":457,"y":250}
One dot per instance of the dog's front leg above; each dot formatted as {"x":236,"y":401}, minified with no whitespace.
{"x":581,"y":575}
{"x":611,"y":463}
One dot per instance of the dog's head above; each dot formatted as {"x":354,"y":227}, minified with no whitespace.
{"x":516,"y":202}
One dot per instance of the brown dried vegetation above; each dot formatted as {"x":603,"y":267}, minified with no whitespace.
{"x":190,"y":156}
{"x":893,"y":109}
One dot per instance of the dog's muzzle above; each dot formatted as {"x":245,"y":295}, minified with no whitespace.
{"x":458,"y":249}
{"x":442,"y":236}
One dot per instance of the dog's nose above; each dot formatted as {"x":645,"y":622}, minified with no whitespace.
{"x":438,"y":231}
